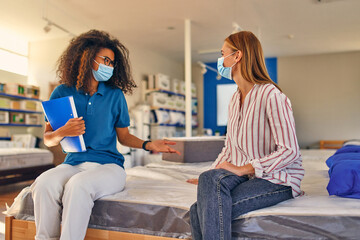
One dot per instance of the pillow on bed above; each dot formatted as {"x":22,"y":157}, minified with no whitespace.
{"x":352,"y":142}
{"x":344,"y":172}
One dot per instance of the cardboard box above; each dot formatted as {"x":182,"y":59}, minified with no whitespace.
{"x":18,"y":118}
{"x":195,"y":149}
{"x":31,"y":91}
{"x":157,"y":99}
{"x":5,"y":103}
{"x":15,"y":89}
{"x":175,"y":87}
{"x":4,"y":117}
{"x":32,"y":119}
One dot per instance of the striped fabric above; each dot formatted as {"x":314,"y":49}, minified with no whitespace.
{"x":262,"y":132}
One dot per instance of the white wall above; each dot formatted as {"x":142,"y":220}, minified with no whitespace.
{"x":8,"y":77}
{"x":43,"y":56}
{"x":325,"y":94}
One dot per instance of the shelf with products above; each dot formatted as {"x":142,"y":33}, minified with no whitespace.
{"x":170,"y":125}
{"x":20,"y":125}
{"x":148,"y":91}
{"x":19,"y":111}
{"x":5,"y":138}
{"x":18,"y":97}
{"x":170,"y":110}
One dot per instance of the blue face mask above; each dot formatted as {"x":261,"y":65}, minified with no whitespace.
{"x":224,"y":71}
{"x":103,"y":73}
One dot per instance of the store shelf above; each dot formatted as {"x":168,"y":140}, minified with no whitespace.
{"x":166,"y":91}
{"x":19,"y":125}
{"x":170,"y":110}
{"x":18,"y":97}
{"x":20,"y":111}
{"x":170,"y":125}
{"x":5,"y":138}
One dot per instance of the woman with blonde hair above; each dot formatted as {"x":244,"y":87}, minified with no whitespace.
{"x":260,"y":164}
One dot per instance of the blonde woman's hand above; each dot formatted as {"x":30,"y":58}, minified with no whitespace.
{"x":193,"y":181}
{"x":161,"y":146}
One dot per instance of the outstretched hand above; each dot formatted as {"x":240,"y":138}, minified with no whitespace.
{"x":162,"y":146}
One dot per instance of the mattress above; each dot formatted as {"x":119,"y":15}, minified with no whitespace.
{"x":15,"y":158}
{"x":157,"y":198}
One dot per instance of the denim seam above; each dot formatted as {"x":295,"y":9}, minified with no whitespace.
{"x":261,"y":195}
{"x":220,"y":205}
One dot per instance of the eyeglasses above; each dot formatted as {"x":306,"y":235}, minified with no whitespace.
{"x":107,"y":61}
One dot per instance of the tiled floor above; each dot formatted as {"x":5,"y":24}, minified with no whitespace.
{"x":7,"y":195}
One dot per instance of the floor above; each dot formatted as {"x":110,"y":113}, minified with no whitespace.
{"x":7,"y":195}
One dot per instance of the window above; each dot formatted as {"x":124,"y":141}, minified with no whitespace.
{"x":13,"y":54}
{"x":224,"y":92}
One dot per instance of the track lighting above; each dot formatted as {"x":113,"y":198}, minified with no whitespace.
{"x":205,"y":67}
{"x":47,"y":28}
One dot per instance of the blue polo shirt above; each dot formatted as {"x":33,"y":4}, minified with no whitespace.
{"x":102,"y":112}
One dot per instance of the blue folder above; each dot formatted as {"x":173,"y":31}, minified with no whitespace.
{"x":58,"y":112}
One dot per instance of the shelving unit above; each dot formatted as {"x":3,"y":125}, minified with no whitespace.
{"x":18,"y":97}
{"x":160,"y":130}
{"x":20,"y":125}
{"x":170,"y":110}
{"x":166,"y":91}
{"x":20,"y":111}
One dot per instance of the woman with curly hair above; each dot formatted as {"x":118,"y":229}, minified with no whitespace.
{"x":95,"y":70}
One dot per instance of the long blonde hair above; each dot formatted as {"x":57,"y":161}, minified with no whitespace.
{"x":253,"y":67}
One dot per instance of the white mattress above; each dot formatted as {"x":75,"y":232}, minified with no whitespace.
{"x":165,"y":184}
{"x":15,"y":158}
{"x":156,"y":199}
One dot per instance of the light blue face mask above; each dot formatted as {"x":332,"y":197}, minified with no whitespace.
{"x":103,"y":73}
{"x":224,"y":71}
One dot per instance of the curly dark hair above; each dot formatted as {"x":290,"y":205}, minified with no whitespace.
{"x":75,"y":64}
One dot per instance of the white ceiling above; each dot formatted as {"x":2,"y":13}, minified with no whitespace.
{"x":317,"y":26}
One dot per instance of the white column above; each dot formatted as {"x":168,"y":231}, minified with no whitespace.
{"x":188,"y":77}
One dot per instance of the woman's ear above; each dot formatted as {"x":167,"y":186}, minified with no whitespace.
{"x":238,"y":56}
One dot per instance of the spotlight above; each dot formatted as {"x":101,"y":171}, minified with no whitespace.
{"x":47,"y":28}
{"x":236,"y":28}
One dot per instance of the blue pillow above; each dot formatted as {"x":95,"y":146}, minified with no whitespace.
{"x":344,"y":172}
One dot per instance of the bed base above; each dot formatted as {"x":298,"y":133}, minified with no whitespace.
{"x":22,"y":174}
{"x":25,"y":230}
{"x":331,"y":144}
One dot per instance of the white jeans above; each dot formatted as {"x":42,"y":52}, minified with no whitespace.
{"x":69,"y":192}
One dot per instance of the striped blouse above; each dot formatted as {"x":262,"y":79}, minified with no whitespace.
{"x":262,"y":132}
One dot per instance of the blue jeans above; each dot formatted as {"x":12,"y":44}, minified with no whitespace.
{"x":223,"y":196}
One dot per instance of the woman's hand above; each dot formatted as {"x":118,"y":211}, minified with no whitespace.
{"x":193,"y":181}
{"x":240,"y":171}
{"x":73,"y":127}
{"x":161,"y":146}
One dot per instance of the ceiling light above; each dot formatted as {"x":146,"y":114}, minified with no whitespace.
{"x":47,"y":28}
{"x":236,"y":28}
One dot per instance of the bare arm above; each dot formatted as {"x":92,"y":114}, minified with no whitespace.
{"x":74,"y":127}
{"x":129,"y":140}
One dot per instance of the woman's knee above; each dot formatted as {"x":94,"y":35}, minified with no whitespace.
{"x":45,"y":184}
{"x":211,"y":176}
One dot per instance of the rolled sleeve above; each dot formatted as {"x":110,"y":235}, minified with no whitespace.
{"x":259,"y":170}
